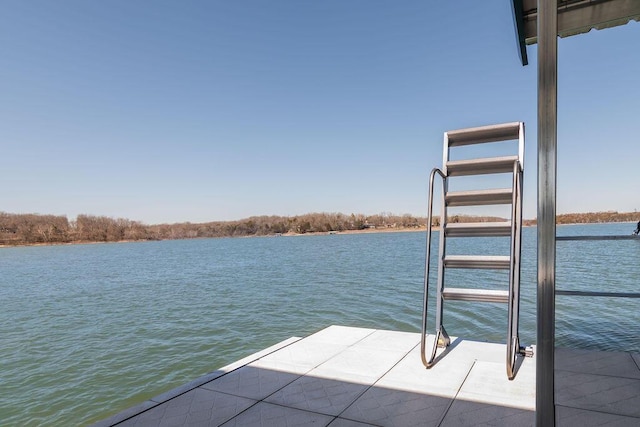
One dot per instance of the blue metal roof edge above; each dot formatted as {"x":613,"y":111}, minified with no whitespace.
{"x":518,"y":26}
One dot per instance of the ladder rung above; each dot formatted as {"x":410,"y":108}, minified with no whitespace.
{"x":478,"y":229}
{"x":483,"y":295}
{"x":481,"y":166}
{"x":501,"y":132}
{"x":498,"y":196}
{"x":472,"y":261}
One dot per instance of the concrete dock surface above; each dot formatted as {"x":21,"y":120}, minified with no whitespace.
{"x":355,"y":377}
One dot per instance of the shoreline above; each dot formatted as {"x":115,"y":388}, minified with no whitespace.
{"x":418,"y":229}
{"x":314,"y":233}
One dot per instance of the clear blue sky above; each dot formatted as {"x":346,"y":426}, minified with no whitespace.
{"x":166,"y":111}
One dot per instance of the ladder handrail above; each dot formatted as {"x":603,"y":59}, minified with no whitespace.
{"x":513,"y":345}
{"x":428,"y":363}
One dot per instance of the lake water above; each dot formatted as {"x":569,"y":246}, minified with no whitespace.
{"x":89,"y":330}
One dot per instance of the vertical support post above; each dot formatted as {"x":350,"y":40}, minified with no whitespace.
{"x":547,"y":164}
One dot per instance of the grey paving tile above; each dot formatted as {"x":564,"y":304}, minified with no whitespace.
{"x":262,"y":353}
{"x":339,"y":335}
{"x":315,"y":394}
{"x":269,"y":415}
{"x":488,"y":383}
{"x":187,"y":387}
{"x":601,"y":393}
{"x":466,"y":413}
{"x":196,"y":407}
{"x":474,"y":350}
{"x":389,"y":407}
{"x":252,"y":382}
{"x":636,"y":358}
{"x":573,"y":417}
{"x":443,"y":379}
{"x":358,"y":364}
{"x":127,"y":413}
{"x":390,"y":340}
{"x":341,"y":422}
{"x":301,"y":356}
{"x":612,"y":363}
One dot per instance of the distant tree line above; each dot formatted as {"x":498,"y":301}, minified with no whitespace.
{"x":24,"y":229}
{"x":597,"y":217}
{"x":592,"y":218}
{"x":20,"y":229}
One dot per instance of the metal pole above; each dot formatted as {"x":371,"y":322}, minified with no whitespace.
{"x":547,"y":164}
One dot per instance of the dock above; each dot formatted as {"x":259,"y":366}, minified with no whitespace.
{"x":356,"y":377}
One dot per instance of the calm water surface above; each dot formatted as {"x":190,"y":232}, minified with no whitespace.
{"x":89,"y":330}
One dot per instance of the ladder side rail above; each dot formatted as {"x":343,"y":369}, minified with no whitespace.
{"x":427,"y":263}
{"x":519,"y":241}
{"x":446,"y":151}
{"x":514,"y":274}
{"x":445,"y":154}
{"x":521,"y":146}
{"x":519,"y":189}
{"x":442,"y":249}
{"x":441,"y":336}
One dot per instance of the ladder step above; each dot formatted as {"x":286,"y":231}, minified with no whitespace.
{"x":481,"y":166}
{"x":479,"y":135}
{"x":482,"y":295}
{"x":472,"y":261}
{"x":498,"y":196}
{"x":478,"y":229}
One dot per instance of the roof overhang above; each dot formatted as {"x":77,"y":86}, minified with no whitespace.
{"x":574,"y":17}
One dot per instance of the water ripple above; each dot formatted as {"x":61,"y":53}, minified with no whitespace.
{"x":89,"y":330}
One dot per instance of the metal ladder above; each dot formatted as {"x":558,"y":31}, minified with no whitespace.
{"x":512,"y":228}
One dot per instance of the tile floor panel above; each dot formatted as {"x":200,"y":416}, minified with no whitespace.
{"x":161,"y":398}
{"x":390,"y":340}
{"x":487,"y":352}
{"x":341,"y":422}
{"x":251,"y":382}
{"x":573,"y":417}
{"x":198,"y":406}
{"x":339,"y":335}
{"x":268,"y":415}
{"x":636,"y":358}
{"x":358,"y":364}
{"x":390,"y":407}
{"x":612,"y":363}
{"x":487,"y":382}
{"x":443,"y":379}
{"x":614,"y":395}
{"x":126,"y":414}
{"x":467,"y":413}
{"x":315,"y":394}
{"x":300,"y":357}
